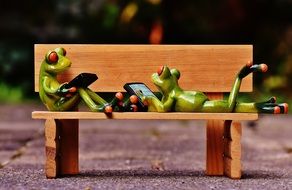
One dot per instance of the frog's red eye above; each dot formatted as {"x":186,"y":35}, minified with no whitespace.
{"x":53,"y":57}
{"x":160,"y":70}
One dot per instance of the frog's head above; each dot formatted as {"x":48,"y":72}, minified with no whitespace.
{"x":166,"y":79}
{"x":56,"y":61}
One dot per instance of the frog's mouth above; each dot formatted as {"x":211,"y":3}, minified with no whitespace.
{"x":61,"y":67}
{"x":160,"y":70}
{"x":156,"y":77}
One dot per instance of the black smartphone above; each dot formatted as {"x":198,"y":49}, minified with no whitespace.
{"x":138,"y":88}
{"x":82,"y":80}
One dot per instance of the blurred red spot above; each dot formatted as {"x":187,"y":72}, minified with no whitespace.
{"x":156,"y":33}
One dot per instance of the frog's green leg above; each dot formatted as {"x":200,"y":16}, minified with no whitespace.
{"x":215,"y":106}
{"x":247,"y":69}
{"x":95,"y":97}
{"x":90,"y":98}
{"x":66,"y":104}
{"x":263,"y":107}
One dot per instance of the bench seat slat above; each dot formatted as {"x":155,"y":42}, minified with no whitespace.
{"x":144,"y":115}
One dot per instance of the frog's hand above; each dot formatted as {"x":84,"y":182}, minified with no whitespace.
{"x":64,"y":90}
{"x":155,"y":105}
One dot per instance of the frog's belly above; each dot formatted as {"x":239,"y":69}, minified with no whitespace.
{"x":190,"y":102}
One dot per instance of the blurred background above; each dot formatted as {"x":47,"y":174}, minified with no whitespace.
{"x":265,"y":24}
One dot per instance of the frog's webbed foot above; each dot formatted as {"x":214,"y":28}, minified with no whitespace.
{"x":272,"y":100}
{"x":272,"y":108}
{"x":129,"y":105}
{"x":250,"y":68}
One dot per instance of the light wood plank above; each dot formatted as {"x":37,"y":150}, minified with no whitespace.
{"x":215,"y":146}
{"x":69,"y":143}
{"x":232,"y":149}
{"x":52,"y":148}
{"x":144,"y":115}
{"x":233,"y":130}
{"x":232,"y":168}
{"x":206,"y":68}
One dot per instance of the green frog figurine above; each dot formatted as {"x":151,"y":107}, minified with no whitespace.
{"x":57,"y":98}
{"x":176,"y":99}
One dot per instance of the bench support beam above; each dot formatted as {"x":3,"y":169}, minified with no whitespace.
{"x":61,"y":147}
{"x":224,"y":148}
{"x":214,"y":160}
{"x":215,"y":133}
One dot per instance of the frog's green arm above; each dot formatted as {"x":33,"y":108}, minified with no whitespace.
{"x":50,"y":86}
{"x":156,"y":105}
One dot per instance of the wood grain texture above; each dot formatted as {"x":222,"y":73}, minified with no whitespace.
{"x":233,"y":130}
{"x":206,"y":68}
{"x":52,"y":149}
{"x":232,"y":149}
{"x":232,"y":168}
{"x":69,"y":143}
{"x":215,"y":146}
{"x":144,"y":115}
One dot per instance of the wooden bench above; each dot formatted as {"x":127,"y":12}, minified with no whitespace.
{"x":207,"y":68}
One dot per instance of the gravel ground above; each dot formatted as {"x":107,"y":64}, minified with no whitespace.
{"x":143,"y":154}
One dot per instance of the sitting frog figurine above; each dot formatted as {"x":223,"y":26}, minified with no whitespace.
{"x":57,"y":98}
{"x":176,"y":99}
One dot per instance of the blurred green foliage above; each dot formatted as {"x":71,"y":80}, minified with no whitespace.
{"x":10,"y":94}
{"x":265,"y":24}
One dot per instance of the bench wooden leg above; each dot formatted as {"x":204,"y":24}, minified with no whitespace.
{"x":61,"y":147}
{"x":232,"y":149}
{"x":52,"y":148}
{"x":69,"y":145}
{"x":215,"y":133}
{"x":214,"y":160}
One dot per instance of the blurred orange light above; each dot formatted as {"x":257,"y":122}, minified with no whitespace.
{"x":154,"y":2}
{"x":156,"y":33}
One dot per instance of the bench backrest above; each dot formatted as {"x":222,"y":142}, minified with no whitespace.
{"x":206,"y":68}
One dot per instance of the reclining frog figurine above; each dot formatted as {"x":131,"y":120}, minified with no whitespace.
{"x":57,"y":98}
{"x":176,"y":99}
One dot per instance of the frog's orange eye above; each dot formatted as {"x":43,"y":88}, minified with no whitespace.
{"x":53,"y":57}
{"x":160,"y":70}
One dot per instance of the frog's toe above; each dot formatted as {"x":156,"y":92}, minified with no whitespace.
{"x":277,"y":110}
{"x":284,"y":108}
{"x":108,"y":109}
{"x":119,"y":96}
{"x":249,"y":64}
{"x":133,"y":108}
{"x":134,"y":99}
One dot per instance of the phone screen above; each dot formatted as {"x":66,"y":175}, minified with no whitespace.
{"x":142,"y":88}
